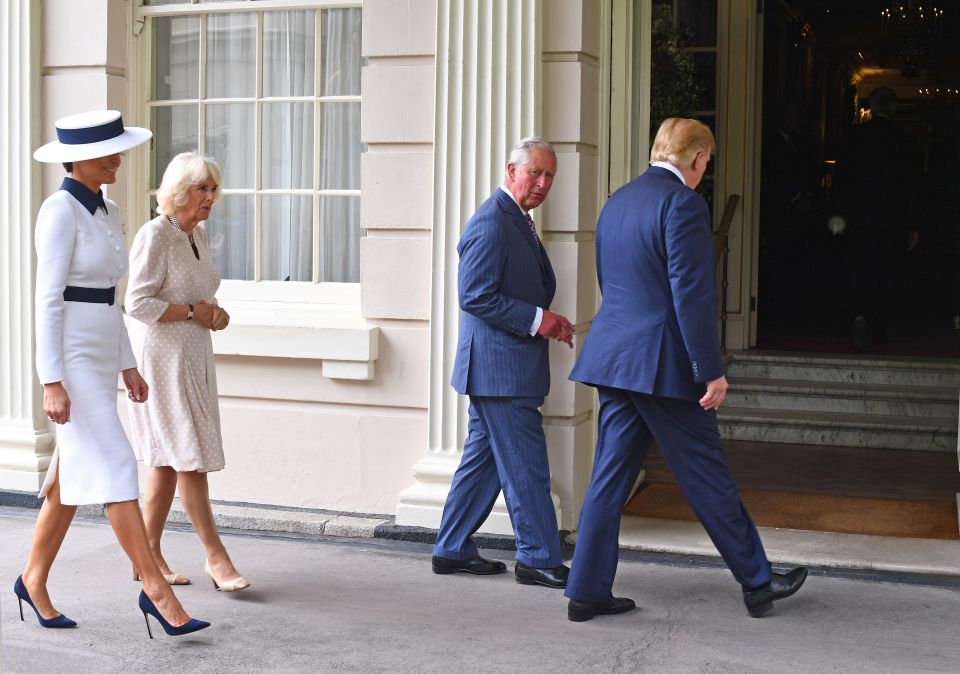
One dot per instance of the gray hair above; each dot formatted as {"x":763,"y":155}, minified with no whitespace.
{"x":183,"y":172}
{"x":520,"y":153}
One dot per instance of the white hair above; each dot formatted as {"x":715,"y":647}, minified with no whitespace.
{"x":183,"y":172}
{"x":520,"y":153}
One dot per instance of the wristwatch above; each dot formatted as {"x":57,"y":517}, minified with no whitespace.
{"x":189,"y":312}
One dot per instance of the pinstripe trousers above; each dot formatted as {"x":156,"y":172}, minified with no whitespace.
{"x":505,"y":449}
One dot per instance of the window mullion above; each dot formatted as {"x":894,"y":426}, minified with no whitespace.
{"x":317,"y":128}
{"x":258,"y":152}
{"x":201,"y":106}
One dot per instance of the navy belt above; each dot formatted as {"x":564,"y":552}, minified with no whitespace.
{"x":91,"y":295}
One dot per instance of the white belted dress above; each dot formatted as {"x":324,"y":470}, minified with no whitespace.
{"x":84,"y":345}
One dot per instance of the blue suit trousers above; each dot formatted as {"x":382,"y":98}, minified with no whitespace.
{"x":689,"y":439}
{"x":505,"y":448}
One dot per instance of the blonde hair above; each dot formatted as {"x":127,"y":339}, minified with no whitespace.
{"x":679,"y":140}
{"x":183,"y":172}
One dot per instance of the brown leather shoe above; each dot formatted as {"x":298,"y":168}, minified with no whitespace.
{"x":478,"y":566}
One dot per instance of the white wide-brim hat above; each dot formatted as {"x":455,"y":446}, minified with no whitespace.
{"x":90,"y":135}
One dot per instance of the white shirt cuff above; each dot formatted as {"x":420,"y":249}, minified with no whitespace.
{"x":537,"y":320}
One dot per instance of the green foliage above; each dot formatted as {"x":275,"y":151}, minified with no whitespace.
{"x":674,"y":91}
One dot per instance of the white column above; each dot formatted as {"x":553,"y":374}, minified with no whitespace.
{"x":487,"y":97}
{"x":26,"y":442}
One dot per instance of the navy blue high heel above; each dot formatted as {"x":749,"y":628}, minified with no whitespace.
{"x":147,"y":606}
{"x":23,"y":596}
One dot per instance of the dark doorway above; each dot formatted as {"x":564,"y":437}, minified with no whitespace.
{"x":822,"y":61}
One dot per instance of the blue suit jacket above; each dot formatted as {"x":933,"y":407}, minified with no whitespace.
{"x":504,"y":276}
{"x":656,"y":331}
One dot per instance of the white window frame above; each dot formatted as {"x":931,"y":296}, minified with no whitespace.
{"x":283,"y":319}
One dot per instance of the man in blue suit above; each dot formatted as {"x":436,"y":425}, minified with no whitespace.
{"x":505,"y":285}
{"x":654,"y":357}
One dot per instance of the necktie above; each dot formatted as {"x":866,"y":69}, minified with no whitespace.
{"x":533,"y":228}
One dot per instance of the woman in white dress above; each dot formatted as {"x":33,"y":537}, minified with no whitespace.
{"x":172,"y":288}
{"x":81,"y":347}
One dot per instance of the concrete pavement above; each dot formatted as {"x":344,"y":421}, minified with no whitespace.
{"x":364,"y":605}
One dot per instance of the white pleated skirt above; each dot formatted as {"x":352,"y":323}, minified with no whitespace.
{"x":93,"y":456}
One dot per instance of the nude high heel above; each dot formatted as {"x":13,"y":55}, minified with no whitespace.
{"x":171,"y":578}
{"x":238,"y":583}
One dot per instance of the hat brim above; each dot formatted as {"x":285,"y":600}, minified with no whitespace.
{"x":56,"y":151}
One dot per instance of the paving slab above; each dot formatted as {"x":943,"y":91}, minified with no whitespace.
{"x":322,"y":604}
{"x":793,"y":546}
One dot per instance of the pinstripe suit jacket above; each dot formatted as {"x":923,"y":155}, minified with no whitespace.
{"x":504,"y":275}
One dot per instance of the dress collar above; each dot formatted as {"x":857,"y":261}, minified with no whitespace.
{"x":82,"y":193}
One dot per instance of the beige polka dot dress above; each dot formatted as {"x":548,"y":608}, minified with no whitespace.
{"x":179,"y":425}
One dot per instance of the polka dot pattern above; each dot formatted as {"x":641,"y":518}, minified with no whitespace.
{"x":179,"y":425}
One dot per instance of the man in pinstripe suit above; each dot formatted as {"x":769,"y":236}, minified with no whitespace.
{"x":505,"y":285}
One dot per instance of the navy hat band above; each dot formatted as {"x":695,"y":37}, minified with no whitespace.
{"x":91,"y":134}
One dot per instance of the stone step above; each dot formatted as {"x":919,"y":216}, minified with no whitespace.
{"x":837,"y":428}
{"x":876,"y":399}
{"x":897,"y":371}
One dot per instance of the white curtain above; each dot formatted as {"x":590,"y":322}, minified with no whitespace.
{"x":231,"y":139}
{"x":287,"y":160}
{"x":340,"y":159}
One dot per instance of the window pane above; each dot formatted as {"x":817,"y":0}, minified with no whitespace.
{"x":707,"y":185}
{"x":287,"y":238}
{"x":340,"y":146}
{"x":174,"y":131}
{"x":166,"y":2}
{"x":287,"y":155}
{"x":674,"y":86}
{"x":230,"y":236}
{"x":340,"y":235}
{"x":700,"y":16}
{"x":705,"y":67}
{"x":231,"y":55}
{"x":230,"y":140}
{"x":340,"y":60}
{"x":176,"y":43}
{"x":289,"y":53}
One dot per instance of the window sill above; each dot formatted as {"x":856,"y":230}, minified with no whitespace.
{"x":337,"y":335}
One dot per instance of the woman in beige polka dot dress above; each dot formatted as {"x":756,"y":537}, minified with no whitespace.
{"x":171,"y":291}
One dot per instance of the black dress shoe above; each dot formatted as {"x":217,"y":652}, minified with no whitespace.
{"x":555,"y":577}
{"x":579,"y":611}
{"x":478,"y":566}
{"x":781,"y":586}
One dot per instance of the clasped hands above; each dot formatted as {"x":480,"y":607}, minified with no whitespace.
{"x":210,"y":316}
{"x":556,"y":327}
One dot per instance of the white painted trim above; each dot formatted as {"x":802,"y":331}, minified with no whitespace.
{"x":488,"y":95}
{"x":240,"y":6}
{"x":285,"y":292}
{"x":26,"y":441}
{"x":340,"y":337}
{"x":323,"y":293}
{"x":625,"y":108}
